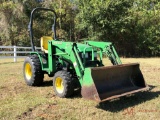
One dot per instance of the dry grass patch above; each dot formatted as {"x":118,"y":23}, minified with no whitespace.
{"x":19,"y":101}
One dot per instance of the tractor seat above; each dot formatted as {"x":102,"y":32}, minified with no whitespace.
{"x":44,"y":43}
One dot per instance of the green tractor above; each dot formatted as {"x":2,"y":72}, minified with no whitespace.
{"x":76,"y":65}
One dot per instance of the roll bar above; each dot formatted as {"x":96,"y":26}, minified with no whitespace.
{"x":30,"y":28}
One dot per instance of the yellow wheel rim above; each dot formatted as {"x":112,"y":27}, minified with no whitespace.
{"x":28,"y":71}
{"x":59,"y":85}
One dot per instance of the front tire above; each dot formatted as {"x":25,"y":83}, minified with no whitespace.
{"x":63,"y":84}
{"x":32,"y":71}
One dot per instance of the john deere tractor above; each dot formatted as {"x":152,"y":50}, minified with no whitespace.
{"x":74,"y":65}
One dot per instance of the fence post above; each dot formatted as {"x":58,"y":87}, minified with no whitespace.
{"x":15,"y":54}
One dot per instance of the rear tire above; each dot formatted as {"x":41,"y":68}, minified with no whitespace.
{"x":63,"y":84}
{"x":32,"y":71}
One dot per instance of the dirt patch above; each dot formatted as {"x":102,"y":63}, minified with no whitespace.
{"x":19,"y":101}
{"x":11,"y":90}
{"x":40,"y":111}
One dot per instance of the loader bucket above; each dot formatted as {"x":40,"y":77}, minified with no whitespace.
{"x":105,"y":83}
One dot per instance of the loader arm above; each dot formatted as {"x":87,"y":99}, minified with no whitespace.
{"x":108,"y":49}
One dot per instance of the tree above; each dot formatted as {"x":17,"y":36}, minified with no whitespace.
{"x":146,"y":22}
{"x":66,"y":12}
{"x":12,"y":20}
{"x":133,"y":26}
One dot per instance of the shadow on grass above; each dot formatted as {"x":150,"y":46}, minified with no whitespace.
{"x":47,"y":83}
{"x":131,"y":101}
{"x":76,"y":94}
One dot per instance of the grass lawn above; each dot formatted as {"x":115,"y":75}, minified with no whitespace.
{"x":19,"y":101}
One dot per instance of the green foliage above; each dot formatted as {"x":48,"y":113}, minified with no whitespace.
{"x":65,"y":17}
{"x":12,"y":23}
{"x":133,"y":26}
{"x":146,"y":16}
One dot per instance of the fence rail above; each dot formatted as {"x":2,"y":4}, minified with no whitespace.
{"x":13,"y":51}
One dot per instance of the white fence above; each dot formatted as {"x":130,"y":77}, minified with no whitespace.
{"x":15,"y":52}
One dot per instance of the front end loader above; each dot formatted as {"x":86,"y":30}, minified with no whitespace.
{"x":80,"y":65}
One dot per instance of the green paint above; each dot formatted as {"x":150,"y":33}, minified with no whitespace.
{"x":108,"y":49}
{"x":72,"y":53}
{"x":87,"y":78}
